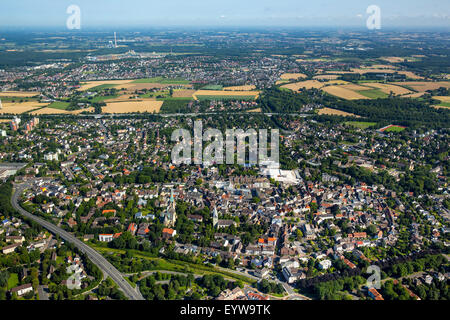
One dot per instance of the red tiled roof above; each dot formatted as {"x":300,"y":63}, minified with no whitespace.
{"x":168,"y":230}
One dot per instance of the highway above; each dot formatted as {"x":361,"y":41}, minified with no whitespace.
{"x":96,"y":258}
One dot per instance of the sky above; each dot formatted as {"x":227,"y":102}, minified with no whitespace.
{"x":151,"y":13}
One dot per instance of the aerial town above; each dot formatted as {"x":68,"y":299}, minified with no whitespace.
{"x":93,"y":208}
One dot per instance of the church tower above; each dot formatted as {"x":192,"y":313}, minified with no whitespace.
{"x":215,"y":217}
{"x":170,"y":215}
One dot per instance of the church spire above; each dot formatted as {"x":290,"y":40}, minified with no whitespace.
{"x":215,"y":217}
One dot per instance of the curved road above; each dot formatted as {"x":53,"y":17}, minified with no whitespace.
{"x":103,"y":264}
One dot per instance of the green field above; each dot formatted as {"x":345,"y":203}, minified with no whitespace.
{"x":59,"y":105}
{"x":162,"y":80}
{"x":212,"y":87}
{"x":174,"y":106}
{"x":155,"y":94}
{"x":13,"y":280}
{"x":407,"y":87}
{"x":445,"y":104}
{"x":367,"y":81}
{"x":102,"y":98}
{"x":373,"y":93}
{"x":18,"y":99}
{"x":394,"y":129}
{"x":361,"y":124}
{"x":176,"y":265}
{"x":217,"y":97}
{"x":98,"y":99}
{"x":174,"y":99}
{"x":101,"y":87}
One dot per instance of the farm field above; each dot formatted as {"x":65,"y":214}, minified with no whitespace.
{"x":387,"y":88}
{"x":49,"y":110}
{"x":308,"y":84}
{"x":18,"y":99}
{"x":444,"y":105}
{"x":240,"y":88}
{"x":101,"y":98}
{"x":363,"y":71}
{"x":399,"y":59}
{"x":133,"y":106}
{"x":326,"y":77}
{"x":90,"y":109}
{"x":344,"y":93}
{"x":351,"y":91}
{"x":356,"y":87}
{"x":414,"y":95}
{"x":334,"y":112}
{"x":373,"y":94}
{"x":219,"y":94}
{"x":393,"y":59}
{"x":59,"y":105}
{"x":20,"y":107}
{"x":19,"y":94}
{"x":124,"y":97}
{"x":411,"y":75}
{"x":183,"y":93}
{"x":423,"y":86}
{"x":442,"y":98}
{"x":212,"y":87}
{"x":408,"y":74}
{"x":292,"y":76}
{"x":372,"y":70}
{"x":381,"y":66}
{"x":109,"y":84}
{"x":444,"y":102}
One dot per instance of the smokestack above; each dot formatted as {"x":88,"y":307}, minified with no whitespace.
{"x":115,"y":40}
